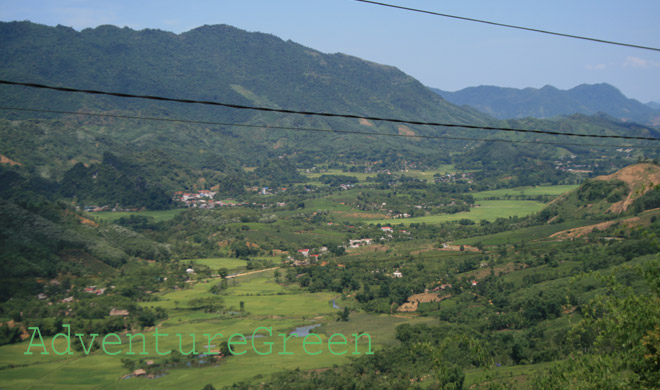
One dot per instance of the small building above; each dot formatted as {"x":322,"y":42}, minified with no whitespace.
{"x":359,"y":243}
{"x":190,"y":271}
{"x":67,"y":300}
{"x":397,"y":274}
{"x":304,"y":252}
{"x":139,"y":372}
{"x":386,"y":229}
{"x":42,"y":296}
{"x":474,"y":283}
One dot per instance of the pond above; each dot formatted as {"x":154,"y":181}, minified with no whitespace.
{"x":303,"y":331}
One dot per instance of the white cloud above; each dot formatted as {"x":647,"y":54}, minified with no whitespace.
{"x":596,"y":67}
{"x":636,"y":62}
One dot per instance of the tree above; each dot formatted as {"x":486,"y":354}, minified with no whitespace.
{"x":343,"y":315}
{"x":451,"y":377}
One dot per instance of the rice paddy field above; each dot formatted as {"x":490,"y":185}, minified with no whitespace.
{"x":265,"y":304}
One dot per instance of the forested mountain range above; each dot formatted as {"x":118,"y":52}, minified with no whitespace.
{"x":225,"y":64}
{"x":547,"y":102}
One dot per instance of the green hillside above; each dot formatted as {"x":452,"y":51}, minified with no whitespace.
{"x":222,"y":63}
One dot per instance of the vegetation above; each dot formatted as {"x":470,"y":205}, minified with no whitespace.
{"x":490,"y":265}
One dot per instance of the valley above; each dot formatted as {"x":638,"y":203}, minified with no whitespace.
{"x":269,"y":236}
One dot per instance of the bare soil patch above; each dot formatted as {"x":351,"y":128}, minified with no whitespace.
{"x":416,"y":299}
{"x":405,"y":130}
{"x":7,"y":160}
{"x":365,"y":122}
{"x":640,"y":178}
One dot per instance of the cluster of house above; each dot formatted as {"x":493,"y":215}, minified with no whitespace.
{"x":89,"y":290}
{"x":443,"y":286}
{"x":359,"y":243}
{"x":453,"y":177}
{"x":266,"y":190}
{"x":389,"y":230}
{"x":201,"y":198}
{"x":307,"y":256}
{"x":94,"y":290}
{"x":566,"y":164}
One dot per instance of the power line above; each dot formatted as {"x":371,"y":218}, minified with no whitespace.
{"x":315,"y":113}
{"x":510,"y":26}
{"x":308,"y":129}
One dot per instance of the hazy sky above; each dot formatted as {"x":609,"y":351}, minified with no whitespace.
{"x":440,"y":52}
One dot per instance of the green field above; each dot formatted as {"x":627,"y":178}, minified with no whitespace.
{"x":362,"y":177}
{"x":525,"y":191}
{"x":486,"y":209}
{"x":215,"y":263}
{"x":157,"y":215}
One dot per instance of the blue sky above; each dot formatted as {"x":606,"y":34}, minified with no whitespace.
{"x":443,"y":53}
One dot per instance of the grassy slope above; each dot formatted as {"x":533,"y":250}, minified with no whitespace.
{"x":158,"y":216}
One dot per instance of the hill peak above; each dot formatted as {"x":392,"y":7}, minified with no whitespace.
{"x":640,"y":179}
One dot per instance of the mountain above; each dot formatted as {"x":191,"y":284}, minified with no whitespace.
{"x":225,"y":64}
{"x":547,"y":102}
{"x":218,"y":63}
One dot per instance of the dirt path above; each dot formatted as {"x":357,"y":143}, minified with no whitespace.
{"x":251,"y":272}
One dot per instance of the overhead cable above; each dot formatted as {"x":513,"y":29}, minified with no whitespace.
{"x":315,"y":113}
{"x":510,"y":26}
{"x":309,"y":129}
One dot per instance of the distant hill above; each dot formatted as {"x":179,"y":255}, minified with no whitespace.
{"x":630,"y":190}
{"x":547,"y":102}
{"x":654,"y":105}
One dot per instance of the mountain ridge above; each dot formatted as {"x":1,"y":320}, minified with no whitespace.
{"x":549,"y":101}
